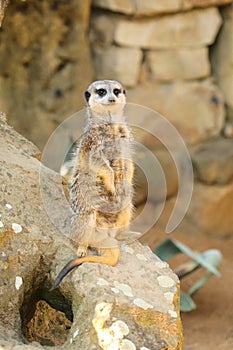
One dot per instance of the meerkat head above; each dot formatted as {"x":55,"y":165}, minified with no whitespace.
{"x":105,"y":96}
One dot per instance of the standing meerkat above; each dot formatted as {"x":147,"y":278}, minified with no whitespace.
{"x":101,"y":180}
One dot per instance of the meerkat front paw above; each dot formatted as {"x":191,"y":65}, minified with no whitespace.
{"x":81,"y":251}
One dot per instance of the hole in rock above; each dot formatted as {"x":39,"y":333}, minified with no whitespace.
{"x":46,"y":317}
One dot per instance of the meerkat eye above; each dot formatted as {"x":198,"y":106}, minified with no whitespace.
{"x":101,"y":92}
{"x":117,"y":92}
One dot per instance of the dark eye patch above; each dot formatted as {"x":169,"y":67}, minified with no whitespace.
{"x":117,"y":92}
{"x":101,"y":92}
{"x":87,"y":95}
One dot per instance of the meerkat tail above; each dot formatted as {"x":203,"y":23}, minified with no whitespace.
{"x":110,"y":256}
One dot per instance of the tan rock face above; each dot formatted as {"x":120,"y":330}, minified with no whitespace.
{"x":166,"y":65}
{"x":139,"y":7}
{"x":155,"y":7}
{"x":2,"y":8}
{"x":222,"y":59}
{"x":168,"y":170}
{"x":187,"y":4}
{"x":195,"y":109}
{"x":126,"y":6}
{"x":213,"y":161}
{"x":118,"y":63}
{"x":151,"y":7}
{"x":211,"y":209}
{"x":112,"y":303}
{"x":45,"y":64}
{"x":191,"y":29}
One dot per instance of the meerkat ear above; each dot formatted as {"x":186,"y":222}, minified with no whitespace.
{"x":87,"y":95}
{"x":124,"y":92}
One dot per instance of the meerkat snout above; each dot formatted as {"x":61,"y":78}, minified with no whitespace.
{"x":111,"y":100}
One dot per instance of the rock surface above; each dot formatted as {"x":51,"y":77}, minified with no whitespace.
{"x":196,"y":109}
{"x":151,"y":7}
{"x":2,"y":9}
{"x":110,"y":305}
{"x":174,"y":31}
{"x":222,"y":59}
{"x":211,"y":209}
{"x":116,"y":61}
{"x":45,"y":64}
{"x":204,"y":3}
{"x":167,"y":65}
{"x":213,"y":161}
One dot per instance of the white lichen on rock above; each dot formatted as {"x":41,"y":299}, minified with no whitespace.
{"x":142,"y":303}
{"x":129,"y":250}
{"x":115,"y":290}
{"x":172,"y":313}
{"x":110,"y":338}
{"x":161,"y":265}
{"x":120,"y":328}
{"x":17,"y":228}
{"x":127,"y":345}
{"x":125,"y":288}
{"x":18,"y":282}
{"x":169,"y":296}
{"x":141,"y":257}
{"x":102,"y":282}
{"x":166,"y":282}
{"x":75,"y":333}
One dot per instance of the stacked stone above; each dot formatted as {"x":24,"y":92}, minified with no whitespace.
{"x":160,"y":49}
{"x":176,"y":57}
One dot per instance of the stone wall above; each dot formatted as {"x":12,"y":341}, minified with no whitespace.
{"x":160,"y":49}
{"x":45,"y":64}
{"x":176,"y":57}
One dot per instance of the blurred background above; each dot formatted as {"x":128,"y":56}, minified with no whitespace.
{"x":173,"y":56}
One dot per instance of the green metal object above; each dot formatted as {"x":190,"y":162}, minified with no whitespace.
{"x":210,"y":260}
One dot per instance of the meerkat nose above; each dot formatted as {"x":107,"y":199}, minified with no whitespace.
{"x":111,"y":99}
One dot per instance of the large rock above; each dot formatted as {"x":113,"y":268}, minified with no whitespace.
{"x":2,"y":9}
{"x":173,"y":31}
{"x":166,"y":175}
{"x":45,"y":64}
{"x":113,"y":295}
{"x":213,"y":161}
{"x":119,"y":63}
{"x":187,"y":4}
{"x":112,"y":306}
{"x":139,"y":7}
{"x":211,"y":209}
{"x":126,"y":6}
{"x":151,"y":7}
{"x":196,"y":109}
{"x":222,"y":59}
{"x":167,"y":65}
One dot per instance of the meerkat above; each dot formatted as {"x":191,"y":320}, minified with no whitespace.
{"x":101,"y":180}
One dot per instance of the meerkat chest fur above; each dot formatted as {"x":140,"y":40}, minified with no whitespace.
{"x":106,"y":155}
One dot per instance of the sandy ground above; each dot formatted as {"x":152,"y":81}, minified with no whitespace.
{"x":210,"y":326}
